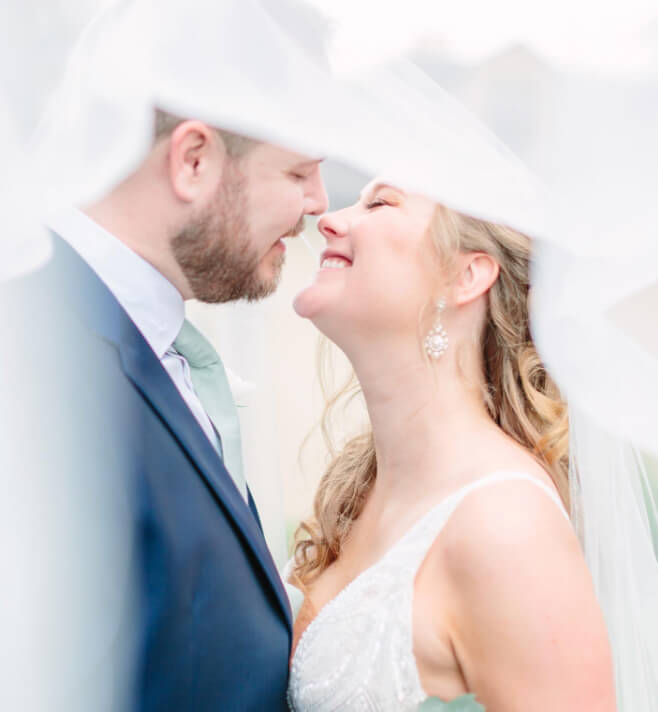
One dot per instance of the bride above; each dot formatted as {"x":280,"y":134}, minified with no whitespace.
{"x":440,"y":562}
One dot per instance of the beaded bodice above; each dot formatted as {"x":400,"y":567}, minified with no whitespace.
{"x":357,"y":653}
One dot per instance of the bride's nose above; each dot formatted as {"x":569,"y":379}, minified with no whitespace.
{"x":332,"y":225}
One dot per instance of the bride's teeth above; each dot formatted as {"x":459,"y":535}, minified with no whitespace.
{"x":334,"y":263}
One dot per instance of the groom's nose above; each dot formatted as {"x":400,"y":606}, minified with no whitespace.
{"x":316,"y":201}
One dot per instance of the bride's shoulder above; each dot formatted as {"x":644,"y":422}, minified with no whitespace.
{"x":510,"y":583}
{"x":515,"y":525}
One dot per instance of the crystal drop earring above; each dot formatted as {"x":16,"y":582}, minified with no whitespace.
{"x":436,"y":342}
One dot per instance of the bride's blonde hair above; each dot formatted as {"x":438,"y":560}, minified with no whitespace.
{"x":518,"y":392}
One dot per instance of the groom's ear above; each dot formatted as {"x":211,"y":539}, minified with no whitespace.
{"x":477,"y":273}
{"x":195,"y":160}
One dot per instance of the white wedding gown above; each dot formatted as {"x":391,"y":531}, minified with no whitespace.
{"x":357,"y":653}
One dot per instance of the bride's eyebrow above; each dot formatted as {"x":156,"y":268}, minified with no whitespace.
{"x":377,"y":187}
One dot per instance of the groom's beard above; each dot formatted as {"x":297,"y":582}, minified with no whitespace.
{"x":215,"y":253}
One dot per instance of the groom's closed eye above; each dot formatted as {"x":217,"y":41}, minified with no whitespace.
{"x":303,"y":171}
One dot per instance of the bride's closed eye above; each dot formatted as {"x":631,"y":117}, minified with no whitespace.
{"x":383,"y":197}
{"x":376,"y":203}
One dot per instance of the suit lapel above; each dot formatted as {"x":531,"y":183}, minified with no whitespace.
{"x":104,"y":314}
{"x":146,"y":372}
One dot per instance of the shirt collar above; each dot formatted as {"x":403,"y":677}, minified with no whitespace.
{"x":150,"y":299}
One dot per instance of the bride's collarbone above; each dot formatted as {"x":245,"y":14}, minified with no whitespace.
{"x":366,"y":546}
{"x":334,"y":579}
{"x":372,"y":536}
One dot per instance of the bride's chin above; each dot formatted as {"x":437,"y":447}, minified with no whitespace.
{"x":307,"y":304}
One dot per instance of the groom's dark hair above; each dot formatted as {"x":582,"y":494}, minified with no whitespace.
{"x":237,"y":145}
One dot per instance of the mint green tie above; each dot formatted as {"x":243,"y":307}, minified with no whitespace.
{"x":212,"y":388}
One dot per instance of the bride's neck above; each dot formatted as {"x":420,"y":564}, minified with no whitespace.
{"x":424,"y":419}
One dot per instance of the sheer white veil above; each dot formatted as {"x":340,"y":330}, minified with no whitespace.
{"x":24,"y":244}
{"x":595,"y":299}
{"x":23,"y":241}
{"x":588,"y":200}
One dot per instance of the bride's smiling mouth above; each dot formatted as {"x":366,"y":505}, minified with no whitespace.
{"x":330,"y":259}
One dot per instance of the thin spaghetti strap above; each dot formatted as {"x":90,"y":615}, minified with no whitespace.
{"x":410,"y":550}
{"x":504,"y":476}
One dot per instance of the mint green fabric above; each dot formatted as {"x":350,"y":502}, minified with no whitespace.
{"x":465,"y":703}
{"x":212,"y":388}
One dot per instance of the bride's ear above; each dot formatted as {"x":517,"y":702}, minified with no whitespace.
{"x":478,"y":271}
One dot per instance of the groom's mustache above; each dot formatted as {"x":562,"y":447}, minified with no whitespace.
{"x":299,"y":227}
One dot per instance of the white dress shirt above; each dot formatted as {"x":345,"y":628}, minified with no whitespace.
{"x":152,"y":302}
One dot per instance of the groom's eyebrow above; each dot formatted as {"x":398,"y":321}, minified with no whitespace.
{"x":308,"y":164}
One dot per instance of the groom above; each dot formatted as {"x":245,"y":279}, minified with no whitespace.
{"x":202,"y":217}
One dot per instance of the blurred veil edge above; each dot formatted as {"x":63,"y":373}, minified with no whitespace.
{"x":276,"y":86}
{"x":594,"y":300}
{"x":594,"y":325}
{"x":247,"y":67}
{"x":615,"y":515}
{"x":24,"y":243}
{"x":98,"y":124}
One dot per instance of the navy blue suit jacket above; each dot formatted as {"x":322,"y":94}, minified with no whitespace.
{"x":210,"y":624}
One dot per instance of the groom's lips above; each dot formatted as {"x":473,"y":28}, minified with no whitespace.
{"x":298,"y":229}
{"x":293,"y":232}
